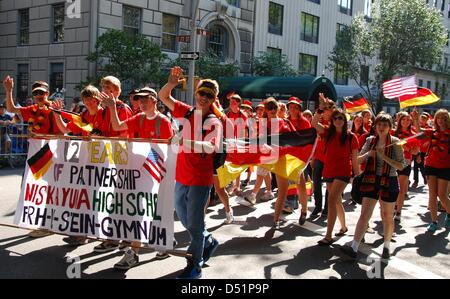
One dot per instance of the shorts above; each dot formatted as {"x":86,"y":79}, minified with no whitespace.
{"x":440,"y":173}
{"x":406,"y":171}
{"x":262,"y":171}
{"x":345,"y":179}
{"x":394,"y":190}
{"x":218,"y":161}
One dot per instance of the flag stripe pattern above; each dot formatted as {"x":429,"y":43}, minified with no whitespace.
{"x":356,"y":104}
{"x":154,"y":165}
{"x":423,"y":96}
{"x":41,"y":162}
{"x":399,"y":87}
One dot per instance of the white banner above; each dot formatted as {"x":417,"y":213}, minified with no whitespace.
{"x":108,"y":189}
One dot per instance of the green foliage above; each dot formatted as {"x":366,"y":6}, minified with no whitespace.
{"x":131,"y":58}
{"x":402,"y":34}
{"x":272,"y":64}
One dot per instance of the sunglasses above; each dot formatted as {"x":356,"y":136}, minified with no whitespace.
{"x":38,"y":93}
{"x":338,"y":118}
{"x":137,"y":98}
{"x":207,"y":95}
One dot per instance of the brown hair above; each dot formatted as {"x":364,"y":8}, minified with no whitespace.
{"x":385,"y":118}
{"x":90,"y":91}
{"x":332,"y":130}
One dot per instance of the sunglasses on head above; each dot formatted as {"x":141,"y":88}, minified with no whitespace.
{"x":338,"y":118}
{"x":207,"y":95}
{"x":140,"y":97}
{"x":38,"y":93}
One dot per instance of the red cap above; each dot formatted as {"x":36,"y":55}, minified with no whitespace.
{"x":260,"y":105}
{"x":295,"y":100}
{"x":247,"y":104}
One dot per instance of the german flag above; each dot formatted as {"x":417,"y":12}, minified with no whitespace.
{"x":41,"y":162}
{"x":76,"y":119}
{"x":292,"y":189}
{"x":423,"y":96}
{"x":287,"y":156}
{"x":356,"y":104}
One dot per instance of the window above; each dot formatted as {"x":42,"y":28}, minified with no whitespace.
{"x":445,"y":63}
{"x":420,"y":83}
{"x":58,"y":22}
{"x":315,"y":1}
{"x":345,"y":6}
{"x":364,"y":75}
{"x":24,"y":26}
{"x":443,"y":5}
{"x":368,"y":8}
{"x":131,"y":20}
{"x":436,"y":87}
{"x":429,"y":84}
{"x":56,"y":77}
{"x":169,"y":33}
{"x":310,"y":28}
{"x":275,"y":18}
{"x":340,"y":77}
{"x":274,"y":51}
{"x":308,"y":64}
{"x":236,"y":3}
{"x":22,"y":82}
{"x":218,"y":41}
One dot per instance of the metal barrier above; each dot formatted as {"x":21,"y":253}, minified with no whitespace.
{"x":13,"y":144}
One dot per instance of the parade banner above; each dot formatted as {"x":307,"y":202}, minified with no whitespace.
{"x":107,"y":189}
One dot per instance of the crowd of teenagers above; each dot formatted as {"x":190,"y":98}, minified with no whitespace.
{"x":371,"y":145}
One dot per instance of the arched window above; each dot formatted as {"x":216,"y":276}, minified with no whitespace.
{"x":218,"y":41}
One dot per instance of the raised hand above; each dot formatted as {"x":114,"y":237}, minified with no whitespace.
{"x":175,"y":76}
{"x":108,"y":99}
{"x":57,"y":104}
{"x":8,"y":83}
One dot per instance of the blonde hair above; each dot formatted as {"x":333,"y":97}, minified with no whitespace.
{"x":210,"y":84}
{"x":90,"y":91}
{"x":111,"y":80}
{"x":442,"y":112}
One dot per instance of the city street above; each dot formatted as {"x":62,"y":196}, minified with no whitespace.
{"x":249,"y":248}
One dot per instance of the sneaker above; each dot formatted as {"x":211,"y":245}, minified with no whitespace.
{"x":191,"y":271}
{"x":123,"y":246}
{"x":230,"y":217}
{"x":414,"y":185}
{"x":397,"y":217}
{"x":128,"y":261}
{"x":278,"y":224}
{"x":386,"y":254}
{"x":287,"y":209}
{"x":317,"y":210}
{"x":302,"y":219}
{"x":348,"y":250}
{"x":106,"y":247}
{"x":432,"y":227}
{"x":267,"y":196}
{"x":162,"y":255}
{"x":209,"y":251}
{"x":40,"y":233}
{"x":251,"y":198}
{"x":75,"y":241}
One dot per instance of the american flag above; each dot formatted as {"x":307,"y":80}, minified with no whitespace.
{"x":154,"y":165}
{"x":399,"y":87}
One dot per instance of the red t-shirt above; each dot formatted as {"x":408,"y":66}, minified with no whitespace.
{"x":338,"y":157}
{"x":194,"y":169}
{"x":425,"y":142}
{"x":407,"y":148}
{"x":146,"y":128}
{"x":301,"y":123}
{"x":240,"y":123}
{"x":362,"y":139}
{"x":39,"y":119}
{"x":319,"y":154}
{"x":124,"y":112}
{"x":439,"y":155}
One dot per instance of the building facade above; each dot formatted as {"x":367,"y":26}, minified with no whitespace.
{"x":50,"y":39}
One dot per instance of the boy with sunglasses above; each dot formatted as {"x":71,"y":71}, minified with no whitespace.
{"x":39,"y":117}
{"x":194,"y":170}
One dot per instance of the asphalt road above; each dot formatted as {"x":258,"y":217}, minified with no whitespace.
{"x":249,"y":248}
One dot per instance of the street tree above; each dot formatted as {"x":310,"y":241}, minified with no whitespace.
{"x":404,"y":34}
{"x":272,"y":64}
{"x":134,"y":59}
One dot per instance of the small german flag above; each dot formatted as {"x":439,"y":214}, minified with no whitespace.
{"x":356,"y":104}
{"x":41,"y":162}
{"x":76,"y":119}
